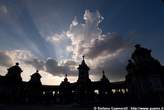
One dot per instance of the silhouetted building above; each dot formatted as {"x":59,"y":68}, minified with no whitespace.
{"x":144,"y":86}
{"x":145,"y":76}
{"x":83,"y":72}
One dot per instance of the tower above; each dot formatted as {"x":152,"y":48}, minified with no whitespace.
{"x":83,"y":72}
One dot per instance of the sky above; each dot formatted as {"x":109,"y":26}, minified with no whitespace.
{"x":53,"y":35}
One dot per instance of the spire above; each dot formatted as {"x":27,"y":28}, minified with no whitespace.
{"x":83,"y":71}
{"x":103,"y":76}
{"x":103,"y":72}
{"x":65,"y":79}
{"x":83,"y":64}
{"x":83,"y":61}
{"x":83,"y":57}
{"x":65,"y":75}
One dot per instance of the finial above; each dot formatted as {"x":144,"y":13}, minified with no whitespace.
{"x":37,"y":71}
{"x":83,"y":57}
{"x":65,"y":79}
{"x":17,"y":64}
{"x":103,"y":75}
{"x":66,"y":75}
{"x":103,"y":72}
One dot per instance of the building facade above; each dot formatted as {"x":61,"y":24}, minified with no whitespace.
{"x":143,"y":84}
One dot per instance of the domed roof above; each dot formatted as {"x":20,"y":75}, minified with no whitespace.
{"x":15,"y":68}
{"x":36,"y":74}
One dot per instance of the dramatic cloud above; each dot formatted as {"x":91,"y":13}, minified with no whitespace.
{"x":52,"y":67}
{"x":81,"y":34}
{"x":103,"y":51}
{"x":107,"y":44}
{"x":107,"y":52}
{"x":114,"y":65}
{"x":37,"y":63}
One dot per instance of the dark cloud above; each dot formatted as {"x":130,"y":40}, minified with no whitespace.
{"x":38,"y":64}
{"x":53,"y":67}
{"x":115,"y":67}
{"x":108,"y":44}
{"x":70,"y":63}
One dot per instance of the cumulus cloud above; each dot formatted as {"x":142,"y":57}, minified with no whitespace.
{"x":81,"y":34}
{"x":87,"y":37}
{"x":104,"y":51}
